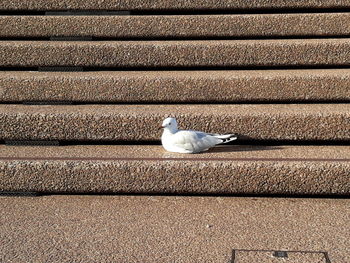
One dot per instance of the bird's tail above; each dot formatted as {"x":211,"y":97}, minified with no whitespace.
{"x":226,"y":137}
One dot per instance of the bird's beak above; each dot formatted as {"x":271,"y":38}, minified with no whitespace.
{"x":160,"y":127}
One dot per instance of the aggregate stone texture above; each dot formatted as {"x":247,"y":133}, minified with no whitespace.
{"x":154,"y":229}
{"x":270,"y":257}
{"x":177,"y":54}
{"x":179,"y":26}
{"x":177,"y":86}
{"x":167,"y":4}
{"x":235,"y":169}
{"x":141,"y":122}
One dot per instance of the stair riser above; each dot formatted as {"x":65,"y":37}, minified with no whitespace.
{"x":171,"y":86}
{"x":141,"y":122}
{"x":251,"y":53}
{"x":177,"y":26}
{"x":181,"y":177}
{"x":168,"y":4}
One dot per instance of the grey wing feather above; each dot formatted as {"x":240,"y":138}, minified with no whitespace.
{"x":195,"y":141}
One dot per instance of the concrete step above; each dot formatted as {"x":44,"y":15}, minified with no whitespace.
{"x":168,"y":4}
{"x":177,"y":86}
{"x":173,"y":229}
{"x":179,"y":26}
{"x":141,"y":122}
{"x":151,"y":54}
{"x":287,"y":170}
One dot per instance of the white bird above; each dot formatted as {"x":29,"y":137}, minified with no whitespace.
{"x":182,"y":141}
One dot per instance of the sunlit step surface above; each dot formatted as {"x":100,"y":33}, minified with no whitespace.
{"x":172,"y":229}
{"x":177,"y":54}
{"x":141,"y":122}
{"x":168,"y":4}
{"x":283,"y":170}
{"x":179,"y":26}
{"x":176,"y":86}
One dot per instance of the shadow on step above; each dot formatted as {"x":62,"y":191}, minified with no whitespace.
{"x":234,"y":147}
{"x":243,"y":148}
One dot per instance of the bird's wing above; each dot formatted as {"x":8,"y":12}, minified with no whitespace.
{"x":194,"y":141}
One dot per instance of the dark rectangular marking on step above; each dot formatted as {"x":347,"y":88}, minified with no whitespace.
{"x":47,"y":103}
{"x":61,"y":69}
{"x":70,"y":38}
{"x":31,"y":143}
{"x":18,"y":194}
{"x":264,"y":256}
{"x":87,"y":13}
{"x":280,"y":254}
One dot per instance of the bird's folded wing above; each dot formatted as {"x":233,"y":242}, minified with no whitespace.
{"x":193,"y":139}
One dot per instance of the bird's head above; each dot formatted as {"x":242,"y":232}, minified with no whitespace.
{"x":169,"y":124}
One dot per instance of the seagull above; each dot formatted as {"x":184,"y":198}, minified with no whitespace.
{"x":188,"y":141}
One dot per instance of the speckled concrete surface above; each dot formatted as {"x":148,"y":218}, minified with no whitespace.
{"x":167,"y":4}
{"x":180,"y":26}
{"x":141,"y":122}
{"x":268,"y":257}
{"x":168,"y":229}
{"x":291,"y":170}
{"x":156,"y":151}
{"x":223,"y":53}
{"x":177,"y":86}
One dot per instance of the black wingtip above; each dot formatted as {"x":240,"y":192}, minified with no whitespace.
{"x":233,"y":137}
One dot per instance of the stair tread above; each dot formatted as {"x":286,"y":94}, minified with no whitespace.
{"x":176,"y":86}
{"x":167,"y":5}
{"x":234,"y":169}
{"x":224,"y":153}
{"x":180,"y":26}
{"x":141,"y":122}
{"x":169,"y":229}
{"x":154,"y":54}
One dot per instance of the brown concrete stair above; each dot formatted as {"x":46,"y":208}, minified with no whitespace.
{"x":155,"y":62}
{"x":177,"y":86}
{"x":155,"y":54}
{"x":168,"y":4}
{"x":179,"y":26}
{"x":141,"y":122}
{"x":290,"y":170}
{"x":173,"y":229}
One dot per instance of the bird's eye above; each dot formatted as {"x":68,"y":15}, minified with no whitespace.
{"x":169,"y":124}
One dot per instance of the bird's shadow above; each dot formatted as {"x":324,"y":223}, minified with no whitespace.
{"x":242,"y":148}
